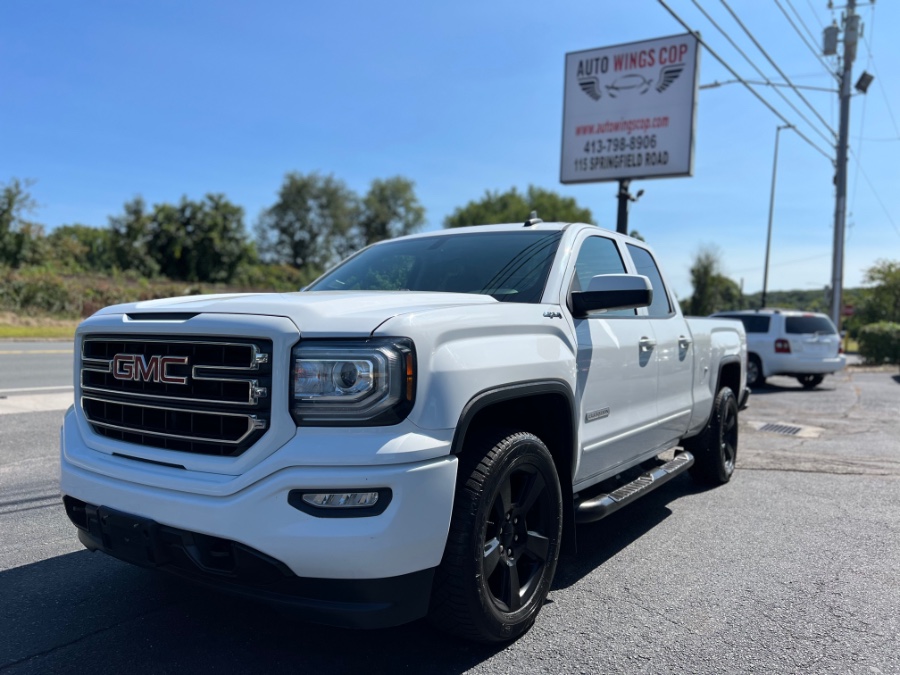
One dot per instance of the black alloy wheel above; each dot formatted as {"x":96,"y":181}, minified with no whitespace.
{"x":715,"y":449}
{"x":504,"y":540}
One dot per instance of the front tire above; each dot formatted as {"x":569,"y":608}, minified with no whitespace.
{"x":504,"y":539}
{"x":715,"y":449}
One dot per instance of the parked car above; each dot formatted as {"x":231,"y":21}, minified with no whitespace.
{"x":804,"y":345}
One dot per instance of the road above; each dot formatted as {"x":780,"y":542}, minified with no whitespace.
{"x":35,"y":376}
{"x":793,"y":567}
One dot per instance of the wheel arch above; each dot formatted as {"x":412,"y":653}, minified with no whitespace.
{"x":545,"y":408}
{"x":729,"y":375}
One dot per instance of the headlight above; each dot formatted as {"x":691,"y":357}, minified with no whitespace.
{"x":362,"y":382}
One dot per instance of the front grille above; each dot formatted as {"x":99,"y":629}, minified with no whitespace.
{"x":204,"y":395}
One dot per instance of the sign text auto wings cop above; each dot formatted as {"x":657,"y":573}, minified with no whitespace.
{"x":629,"y":111}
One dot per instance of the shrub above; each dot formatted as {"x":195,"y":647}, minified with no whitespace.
{"x":880,"y":342}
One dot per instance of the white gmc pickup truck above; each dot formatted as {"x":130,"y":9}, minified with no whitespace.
{"x":416,"y":433}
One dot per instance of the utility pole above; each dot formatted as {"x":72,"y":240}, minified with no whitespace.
{"x":771,"y":210}
{"x":851,"y":38}
{"x":624,"y":197}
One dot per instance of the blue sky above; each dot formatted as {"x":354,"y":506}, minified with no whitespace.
{"x":102,"y":101}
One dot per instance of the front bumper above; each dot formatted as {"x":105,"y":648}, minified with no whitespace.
{"x":240,"y":570}
{"x":372,"y":570}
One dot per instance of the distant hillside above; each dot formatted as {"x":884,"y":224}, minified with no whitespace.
{"x":811,"y":301}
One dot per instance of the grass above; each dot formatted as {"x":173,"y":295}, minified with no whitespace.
{"x":36,"y":332}
{"x":17,"y":327}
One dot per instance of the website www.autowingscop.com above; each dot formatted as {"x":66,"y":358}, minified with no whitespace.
{"x":619,"y":126}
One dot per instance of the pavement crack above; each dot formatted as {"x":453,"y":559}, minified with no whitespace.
{"x":99,"y":631}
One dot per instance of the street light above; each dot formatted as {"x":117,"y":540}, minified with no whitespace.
{"x":771,"y":210}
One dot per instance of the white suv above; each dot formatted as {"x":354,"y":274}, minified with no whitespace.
{"x":804,"y":345}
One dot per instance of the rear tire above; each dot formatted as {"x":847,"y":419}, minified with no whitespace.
{"x":810,"y":381}
{"x":504,"y":539}
{"x":715,"y":449}
{"x":755,"y":377}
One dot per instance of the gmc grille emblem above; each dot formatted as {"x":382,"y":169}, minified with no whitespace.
{"x":137,"y":367}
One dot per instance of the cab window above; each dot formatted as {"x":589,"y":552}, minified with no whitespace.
{"x":598,"y":255}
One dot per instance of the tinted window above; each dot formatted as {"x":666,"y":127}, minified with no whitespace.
{"x":645,"y":265}
{"x":809,"y":324}
{"x":752,"y":323}
{"x":510,"y":266}
{"x":598,"y":255}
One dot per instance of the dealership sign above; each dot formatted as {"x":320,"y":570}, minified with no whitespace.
{"x":628,"y":111}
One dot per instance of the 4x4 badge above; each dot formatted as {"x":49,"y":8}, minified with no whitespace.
{"x":137,"y":367}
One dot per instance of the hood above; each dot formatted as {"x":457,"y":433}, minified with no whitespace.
{"x":320,"y":313}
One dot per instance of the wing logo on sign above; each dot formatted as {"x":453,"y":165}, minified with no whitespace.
{"x":590,"y":86}
{"x":667,"y":76}
{"x":629,"y":83}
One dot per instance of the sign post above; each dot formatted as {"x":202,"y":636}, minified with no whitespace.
{"x":629,"y":112}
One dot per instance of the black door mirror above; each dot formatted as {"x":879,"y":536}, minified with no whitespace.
{"x":612,"y":291}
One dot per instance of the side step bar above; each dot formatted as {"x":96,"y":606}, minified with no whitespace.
{"x":601,"y":506}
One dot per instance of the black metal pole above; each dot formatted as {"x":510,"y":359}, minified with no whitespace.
{"x":624,"y":198}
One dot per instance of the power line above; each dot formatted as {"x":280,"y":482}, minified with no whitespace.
{"x":782,"y":264}
{"x":775,"y":65}
{"x":763,"y":75}
{"x":741,"y":80}
{"x":813,"y":10}
{"x":875,"y":192}
{"x":812,"y":37}
{"x":878,"y":78}
{"x":862,"y":124}
{"x":814,"y":51}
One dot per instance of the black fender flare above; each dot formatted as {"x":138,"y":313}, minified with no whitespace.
{"x":567,"y":460}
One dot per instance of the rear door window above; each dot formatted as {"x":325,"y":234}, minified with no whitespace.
{"x":645,"y":265}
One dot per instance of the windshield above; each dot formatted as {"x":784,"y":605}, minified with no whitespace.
{"x":510,"y":266}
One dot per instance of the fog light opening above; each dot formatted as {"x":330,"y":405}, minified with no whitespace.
{"x":338,"y":500}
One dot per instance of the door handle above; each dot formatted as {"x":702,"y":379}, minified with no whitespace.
{"x":647,"y":344}
{"x":684,"y":342}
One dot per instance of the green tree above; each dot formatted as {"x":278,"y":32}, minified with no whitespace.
{"x":882,"y":301}
{"x":199,"y":240}
{"x":389,"y":209}
{"x":21,"y":240}
{"x":130,"y":235}
{"x":81,"y":248}
{"x":513,"y":207}
{"x":311,"y":225}
{"x":713,"y":291}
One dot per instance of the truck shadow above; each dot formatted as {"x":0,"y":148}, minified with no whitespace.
{"x":600,"y":541}
{"x":84,"y":611}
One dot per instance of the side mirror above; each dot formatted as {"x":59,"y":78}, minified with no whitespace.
{"x":612,"y":291}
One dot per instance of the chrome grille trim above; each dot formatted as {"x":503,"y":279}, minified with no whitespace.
{"x":221,"y":406}
{"x":253,"y":423}
{"x":254,"y":392}
{"x":258,"y":357}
